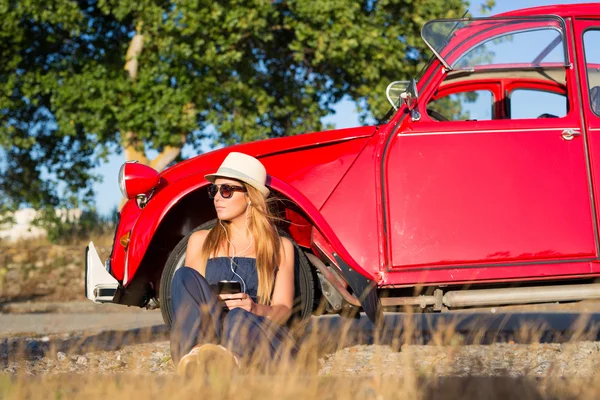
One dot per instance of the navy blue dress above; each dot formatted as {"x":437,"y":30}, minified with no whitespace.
{"x":220,"y":269}
{"x":199,"y":316}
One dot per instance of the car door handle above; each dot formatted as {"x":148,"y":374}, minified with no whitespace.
{"x":570,"y":133}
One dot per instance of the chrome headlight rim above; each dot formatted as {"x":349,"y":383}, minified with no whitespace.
{"x":121,"y":180}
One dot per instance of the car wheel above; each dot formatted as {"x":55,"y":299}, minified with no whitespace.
{"x":304,"y":279}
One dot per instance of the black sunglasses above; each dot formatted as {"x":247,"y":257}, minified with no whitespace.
{"x":225,"y":190}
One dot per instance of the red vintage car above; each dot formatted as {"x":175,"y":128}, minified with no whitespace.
{"x":480,"y":188}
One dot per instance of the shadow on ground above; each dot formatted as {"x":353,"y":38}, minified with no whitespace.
{"x":334,"y":333}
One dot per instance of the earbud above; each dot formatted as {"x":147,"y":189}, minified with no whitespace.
{"x":250,"y":203}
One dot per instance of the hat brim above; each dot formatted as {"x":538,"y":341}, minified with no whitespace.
{"x":255,"y":184}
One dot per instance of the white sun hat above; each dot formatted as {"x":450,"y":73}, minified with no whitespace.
{"x":244,"y":168}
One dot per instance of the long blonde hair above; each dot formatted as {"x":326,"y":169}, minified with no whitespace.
{"x":267,"y":243}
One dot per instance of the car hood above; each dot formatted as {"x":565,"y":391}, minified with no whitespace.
{"x":264,"y":148}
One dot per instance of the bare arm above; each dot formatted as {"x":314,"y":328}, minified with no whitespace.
{"x":194,"y":250}
{"x":283,"y":293}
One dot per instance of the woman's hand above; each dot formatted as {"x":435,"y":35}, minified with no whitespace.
{"x":238,"y":300}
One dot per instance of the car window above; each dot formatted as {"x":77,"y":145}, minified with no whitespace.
{"x":462,"y":106}
{"x":464,"y":44}
{"x":532,"y":47}
{"x":591,"y":39}
{"x":531,"y":103}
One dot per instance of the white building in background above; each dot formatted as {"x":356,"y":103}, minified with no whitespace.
{"x":23,"y":227}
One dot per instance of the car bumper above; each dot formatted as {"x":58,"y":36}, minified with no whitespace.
{"x":100,"y":285}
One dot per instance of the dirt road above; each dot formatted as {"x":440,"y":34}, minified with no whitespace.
{"x":46,"y":324}
{"x":36,"y":319}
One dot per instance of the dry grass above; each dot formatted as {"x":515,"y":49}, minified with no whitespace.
{"x":404,"y":375}
{"x":38,"y":270}
{"x":254,"y":387}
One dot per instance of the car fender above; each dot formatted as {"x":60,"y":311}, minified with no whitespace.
{"x":158,"y":207}
{"x":319,"y":223}
{"x":151,"y":217}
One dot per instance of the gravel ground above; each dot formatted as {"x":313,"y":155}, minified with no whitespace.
{"x":572,"y":360}
{"x":500,"y":359}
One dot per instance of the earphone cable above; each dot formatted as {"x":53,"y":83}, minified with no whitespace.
{"x":234,"y":250}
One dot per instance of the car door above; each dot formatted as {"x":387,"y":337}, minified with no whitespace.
{"x":467,"y":193}
{"x":587,"y":36}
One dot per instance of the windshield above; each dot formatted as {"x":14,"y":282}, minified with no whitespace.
{"x":497,"y":42}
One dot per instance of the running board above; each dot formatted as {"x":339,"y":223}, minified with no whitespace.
{"x":495,"y":297}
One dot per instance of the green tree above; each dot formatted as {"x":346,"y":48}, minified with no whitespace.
{"x":83,"y":78}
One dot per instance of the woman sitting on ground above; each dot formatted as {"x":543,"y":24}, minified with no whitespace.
{"x":243,"y":246}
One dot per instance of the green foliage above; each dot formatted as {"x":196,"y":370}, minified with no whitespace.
{"x":250,"y":69}
{"x":7,"y":218}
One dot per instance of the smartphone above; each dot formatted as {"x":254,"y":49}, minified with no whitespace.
{"x":229,"y":287}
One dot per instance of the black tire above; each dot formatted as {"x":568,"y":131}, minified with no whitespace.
{"x":304,"y":279}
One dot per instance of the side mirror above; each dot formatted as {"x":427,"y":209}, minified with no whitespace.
{"x":407,"y":91}
{"x":410,"y":95}
{"x":394,"y":92}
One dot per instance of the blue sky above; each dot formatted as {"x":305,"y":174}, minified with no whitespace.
{"x":109,"y":195}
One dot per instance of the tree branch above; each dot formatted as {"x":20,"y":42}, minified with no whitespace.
{"x":133,"y":52}
{"x":168,"y":154}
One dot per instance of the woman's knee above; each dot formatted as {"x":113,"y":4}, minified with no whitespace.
{"x":237,"y":321}
{"x":236,"y":314}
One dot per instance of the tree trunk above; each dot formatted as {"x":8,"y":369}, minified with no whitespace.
{"x":134,"y":150}
{"x":130,"y":141}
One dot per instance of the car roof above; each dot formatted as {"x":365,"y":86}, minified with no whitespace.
{"x":563,"y":10}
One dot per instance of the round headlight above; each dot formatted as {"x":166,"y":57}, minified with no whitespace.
{"x":136,"y":179}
